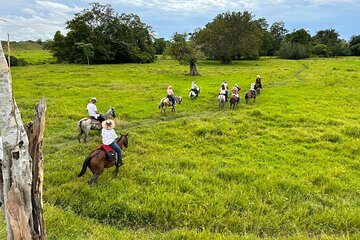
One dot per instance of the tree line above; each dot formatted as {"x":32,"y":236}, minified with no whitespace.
{"x":100,"y":35}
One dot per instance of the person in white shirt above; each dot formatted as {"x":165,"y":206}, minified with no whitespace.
{"x":252,"y":88}
{"x":194,"y":87}
{"x":93,"y":112}
{"x":108,"y":138}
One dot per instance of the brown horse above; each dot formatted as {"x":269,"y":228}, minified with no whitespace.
{"x":233,"y":101}
{"x":165,"y":103}
{"x":97,"y":161}
{"x":258,"y":87}
{"x":250,"y":94}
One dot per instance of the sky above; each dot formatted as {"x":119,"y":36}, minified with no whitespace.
{"x":40,"y":19}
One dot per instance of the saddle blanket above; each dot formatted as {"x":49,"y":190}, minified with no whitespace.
{"x":105,"y":147}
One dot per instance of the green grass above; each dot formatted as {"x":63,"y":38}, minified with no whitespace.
{"x":285,"y":167}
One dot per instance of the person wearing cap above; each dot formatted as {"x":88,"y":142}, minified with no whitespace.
{"x":171,"y":95}
{"x":258,"y":81}
{"x":93,"y":112}
{"x":108,"y":138}
{"x":235,"y":91}
{"x":194,"y":88}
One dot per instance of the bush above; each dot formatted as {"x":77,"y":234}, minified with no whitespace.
{"x":321,"y":50}
{"x":294,"y":50}
{"x":16,"y":61}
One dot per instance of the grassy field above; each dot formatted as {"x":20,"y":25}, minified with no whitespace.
{"x":285,"y":167}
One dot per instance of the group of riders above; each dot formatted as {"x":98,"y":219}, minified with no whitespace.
{"x":224,"y":90}
{"x":108,"y":133}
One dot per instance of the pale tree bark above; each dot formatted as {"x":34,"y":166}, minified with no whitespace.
{"x":16,"y":164}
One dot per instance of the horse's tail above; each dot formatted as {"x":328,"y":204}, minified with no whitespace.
{"x":85,"y":165}
{"x":81,"y":131}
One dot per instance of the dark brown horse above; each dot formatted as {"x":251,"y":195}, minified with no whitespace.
{"x":258,"y":87}
{"x":233,"y":101}
{"x":250,"y":94}
{"x":97,"y":161}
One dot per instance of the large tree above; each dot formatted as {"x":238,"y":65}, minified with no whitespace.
{"x":231,"y":36}
{"x":115,"y":38}
{"x":296,"y":45}
{"x":354,"y":45}
{"x":330,"y":39}
{"x":185,"y":51}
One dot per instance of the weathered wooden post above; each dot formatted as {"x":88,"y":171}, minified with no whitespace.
{"x":20,"y":194}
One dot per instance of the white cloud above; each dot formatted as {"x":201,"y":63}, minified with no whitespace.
{"x":39,"y":20}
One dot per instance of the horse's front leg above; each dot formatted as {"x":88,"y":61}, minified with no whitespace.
{"x":116,"y":171}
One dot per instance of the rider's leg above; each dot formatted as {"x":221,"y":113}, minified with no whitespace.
{"x":118,"y":150}
{"x":101,"y":118}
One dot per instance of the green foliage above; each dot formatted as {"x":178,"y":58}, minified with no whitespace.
{"x":354,"y":45}
{"x":296,"y":45}
{"x":285,"y":167}
{"x":116,"y":38}
{"x":329,"y":38}
{"x":231,"y":36}
{"x":160,"y":45}
{"x":321,"y":50}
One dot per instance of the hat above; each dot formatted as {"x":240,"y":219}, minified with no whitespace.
{"x":169,"y":86}
{"x":93,"y":99}
{"x":235,"y":85}
{"x":108,"y":124}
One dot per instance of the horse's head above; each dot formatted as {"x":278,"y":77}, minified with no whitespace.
{"x":179,"y":99}
{"x":113,"y":114}
{"x":123,"y":140}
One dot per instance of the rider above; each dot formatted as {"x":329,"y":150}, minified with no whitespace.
{"x":235,"y":91}
{"x":223,"y":91}
{"x":252,"y":88}
{"x":108,"y":138}
{"x":170,"y":95}
{"x":225,"y":83}
{"x":93,"y":112}
{"x":194,"y":88}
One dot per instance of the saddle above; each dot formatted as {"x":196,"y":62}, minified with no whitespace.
{"x":109,"y":152}
{"x":95,"y":124}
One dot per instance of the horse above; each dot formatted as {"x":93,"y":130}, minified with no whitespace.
{"x":85,"y":124}
{"x":250,"y":94}
{"x":97,"y":161}
{"x":221,"y":100}
{"x":233,"y":101}
{"x":166,"y":102}
{"x":192,"y":93}
{"x":258,"y":87}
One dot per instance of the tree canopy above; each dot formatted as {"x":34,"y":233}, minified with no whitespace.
{"x":115,"y":38}
{"x":231,"y":36}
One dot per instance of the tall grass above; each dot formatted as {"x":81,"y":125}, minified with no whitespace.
{"x":286,"y":166}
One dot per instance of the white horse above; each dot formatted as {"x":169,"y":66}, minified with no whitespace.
{"x":221,"y":100}
{"x":192,"y":93}
{"x":85,"y":124}
{"x":165,"y":102}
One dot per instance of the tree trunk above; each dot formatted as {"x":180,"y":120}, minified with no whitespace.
{"x":16,"y":164}
{"x":193,"y":70}
{"x":35,"y":131}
